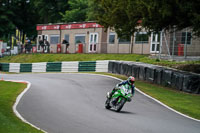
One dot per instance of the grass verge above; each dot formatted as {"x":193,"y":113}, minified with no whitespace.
{"x":9,"y":123}
{"x":183,"y":102}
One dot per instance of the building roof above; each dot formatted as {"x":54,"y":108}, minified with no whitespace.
{"x":68,"y":26}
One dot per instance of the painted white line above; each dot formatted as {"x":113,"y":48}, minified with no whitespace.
{"x":155,"y":100}
{"x":17,"y":101}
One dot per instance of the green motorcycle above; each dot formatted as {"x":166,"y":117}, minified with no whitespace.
{"x":118,"y":99}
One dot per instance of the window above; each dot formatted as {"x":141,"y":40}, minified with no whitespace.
{"x":141,"y":37}
{"x":125,"y":40}
{"x":189,"y":38}
{"x":67,"y":37}
{"x":111,"y":38}
{"x":54,"y":39}
{"x":80,"y":39}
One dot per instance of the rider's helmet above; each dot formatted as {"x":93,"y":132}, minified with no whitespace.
{"x":131,"y":80}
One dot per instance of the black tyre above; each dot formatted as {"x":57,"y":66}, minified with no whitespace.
{"x":107,"y":104}
{"x":120,"y":105}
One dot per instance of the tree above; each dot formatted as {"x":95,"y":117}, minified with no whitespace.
{"x":77,"y":11}
{"x":49,"y":10}
{"x":25,"y":14}
{"x":6,"y":15}
{"x":116,"y":14}
{"x":155,"y":15}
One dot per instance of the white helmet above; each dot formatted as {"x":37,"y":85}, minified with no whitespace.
{"x":131,"y":80}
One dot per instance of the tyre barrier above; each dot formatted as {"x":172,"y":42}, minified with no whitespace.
{"x":71,"y":66}
{"x":180,"y":80}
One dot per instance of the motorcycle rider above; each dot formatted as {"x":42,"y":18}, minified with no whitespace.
{"x":129,"y":84}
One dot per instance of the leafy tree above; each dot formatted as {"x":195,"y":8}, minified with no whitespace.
{"x":6,"y":16}
{"x":123,"y":15}
{"x":116,"y":14}
{"x":25,"y":14}
{"x":77,"y":11}
{"x":49,"y":10}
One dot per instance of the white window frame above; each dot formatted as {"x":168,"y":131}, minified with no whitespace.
{"x":111,"y":33}
{"x":93,"y":43}
{"x":155,"y":42}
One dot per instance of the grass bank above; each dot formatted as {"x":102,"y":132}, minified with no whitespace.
{"x":183,"y":102}
{"x":31,"y":58}
{"x":9,"y":123}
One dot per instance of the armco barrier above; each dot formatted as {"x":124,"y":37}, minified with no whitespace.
{"x":87,"y":66}
{"x":14,"y":67}
{"x":183,"y":81}
{"x":39,"y":67}
{"x":26,"y":67}
{"x":53,"y":67}
{"x":5,"y":67}
{"x":102,"y":66}
{"x":71,"y":66}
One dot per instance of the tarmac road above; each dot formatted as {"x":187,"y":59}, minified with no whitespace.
{"x":74,"y":103}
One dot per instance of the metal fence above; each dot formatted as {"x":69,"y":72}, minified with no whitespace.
{"x":179,"y":45}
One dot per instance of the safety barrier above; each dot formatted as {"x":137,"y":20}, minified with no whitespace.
{"x":102,"y":66}
{"x":53,"y":67}
{"x":39,"y":67}
{"x":5,"y":67}
{"x":26,"y":67}
{"x":180,"y":80}
{"x":87,"y":66}
{"x":71,"y":66}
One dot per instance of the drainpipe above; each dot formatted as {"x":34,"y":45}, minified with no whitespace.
{"x":60,"y":34}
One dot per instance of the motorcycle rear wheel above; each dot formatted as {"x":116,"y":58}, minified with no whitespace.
{"x":107,"y":104}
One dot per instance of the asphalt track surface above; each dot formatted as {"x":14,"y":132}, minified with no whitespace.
{"x":74,"y":103}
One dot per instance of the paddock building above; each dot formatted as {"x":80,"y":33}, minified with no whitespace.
{"x":90,"y":37}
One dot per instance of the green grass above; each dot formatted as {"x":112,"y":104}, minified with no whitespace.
{"x":185,"y":103}
{"x":9,"y":123}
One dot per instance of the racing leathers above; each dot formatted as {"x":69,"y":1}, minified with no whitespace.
{"x":126,"y":84}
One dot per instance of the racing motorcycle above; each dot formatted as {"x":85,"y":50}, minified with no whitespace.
{"x":118,"y":99}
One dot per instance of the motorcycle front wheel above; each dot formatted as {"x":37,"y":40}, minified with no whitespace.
{"x":120,"y":104}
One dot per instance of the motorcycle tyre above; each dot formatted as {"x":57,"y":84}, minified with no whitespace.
{"x":120,"y":105}
{"x":107,"y":105}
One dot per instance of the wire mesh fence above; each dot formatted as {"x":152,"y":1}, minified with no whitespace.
{"x":179,"y":45}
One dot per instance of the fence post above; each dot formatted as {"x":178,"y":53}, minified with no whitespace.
{"x":185,"y":45}
{"x":166,"y":42}
{"x":160,"y":49}
{"x":174,"y":39}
